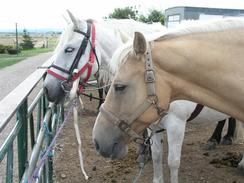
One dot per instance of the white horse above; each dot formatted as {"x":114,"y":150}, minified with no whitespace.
{"x":174,"y":123}
{"x":85,"y":48}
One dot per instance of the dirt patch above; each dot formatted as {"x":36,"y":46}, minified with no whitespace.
{"x":230,"y":159}
{"x":196,"y":163}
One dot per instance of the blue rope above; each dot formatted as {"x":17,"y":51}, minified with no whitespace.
{"x":47,"y":131}
{"x":48,"y":151}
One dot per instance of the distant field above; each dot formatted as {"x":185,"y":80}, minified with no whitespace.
{"x":7,"y":60}
{"x":9,"y":39}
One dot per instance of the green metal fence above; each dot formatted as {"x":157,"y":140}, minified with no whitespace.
{"x":28,"y":130}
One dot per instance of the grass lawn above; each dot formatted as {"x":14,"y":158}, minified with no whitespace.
{"x":7,"y":59}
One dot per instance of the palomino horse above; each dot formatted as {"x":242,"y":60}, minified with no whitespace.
{"x":202,"y":64}
{"x":85,"y":49}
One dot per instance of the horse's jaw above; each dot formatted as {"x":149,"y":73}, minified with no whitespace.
{"x":109,"y":141}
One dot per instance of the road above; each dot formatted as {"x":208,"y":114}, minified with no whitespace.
{"x":13,"y":75}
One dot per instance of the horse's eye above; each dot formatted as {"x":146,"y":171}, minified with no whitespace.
{"x":69,"y":50}
{"x":119,"y":87}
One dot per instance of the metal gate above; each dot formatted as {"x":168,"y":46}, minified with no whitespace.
{"x":33,"y":126}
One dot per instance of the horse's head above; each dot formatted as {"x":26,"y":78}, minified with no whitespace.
{"x":71,"y":54}
{"x":132,"y":101}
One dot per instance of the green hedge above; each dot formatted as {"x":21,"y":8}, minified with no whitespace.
{"x":8,"y":49}
{"x":2,"y":49}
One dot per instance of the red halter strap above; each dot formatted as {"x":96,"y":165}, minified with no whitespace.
{"x":49,"y":71}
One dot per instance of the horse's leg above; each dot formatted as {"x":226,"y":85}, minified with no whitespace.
{"x":228,"y":138}
{"x":157,"y":155}
{"x":241,"y":164}
{"x":216,"y":136}
{"x":175,"y":132}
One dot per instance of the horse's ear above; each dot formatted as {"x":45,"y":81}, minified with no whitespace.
{"x":66,"y":20}
{"x":139,"y":43}
{"x":73,"y":19}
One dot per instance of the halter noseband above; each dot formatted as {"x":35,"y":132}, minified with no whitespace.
{"x":124,"y":123}
{"x":88,"y":66}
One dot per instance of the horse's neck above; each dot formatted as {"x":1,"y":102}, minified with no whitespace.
{"x":198,"y":68}
{"x":107,"y":41}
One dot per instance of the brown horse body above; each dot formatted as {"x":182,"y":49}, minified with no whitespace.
{"x":204,"y":65}
{"x":206,"y":68}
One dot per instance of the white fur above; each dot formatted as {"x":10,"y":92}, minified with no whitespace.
{"x":175,"y":123}
{"x":110,"y":34}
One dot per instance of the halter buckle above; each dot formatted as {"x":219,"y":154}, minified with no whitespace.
{"x":149,"y":76}
{"x":66,"y":86}
{"x":153,"y":99}
{"x":124,"y":126}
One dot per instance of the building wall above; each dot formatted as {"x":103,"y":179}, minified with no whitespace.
{"x":196,"y":13}
{"x":174,"y":11}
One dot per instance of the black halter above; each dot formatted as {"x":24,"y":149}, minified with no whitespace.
{"x":80,"y":52}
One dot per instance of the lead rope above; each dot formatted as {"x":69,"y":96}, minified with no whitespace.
{"x":141,"y":168}
{"x":141,"y":163}
{"x":77,"y":132}
{"x":143,"y":156}
{"x":74,"y":97}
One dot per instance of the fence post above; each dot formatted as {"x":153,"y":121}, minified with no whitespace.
{"x":22,"y":138}
{"x":32,"y":131}
{"x":39,"y":116}
{"x":10,"y":157}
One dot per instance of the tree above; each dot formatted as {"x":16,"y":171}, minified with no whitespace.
{"x":124,"y":13}
{"x":27,"y":42}
{"x":154,"y":16}
{"x":132,"y":13}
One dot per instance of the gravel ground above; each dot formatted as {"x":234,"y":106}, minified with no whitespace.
{"x":11,"y":77}
{"x":197,"y":165}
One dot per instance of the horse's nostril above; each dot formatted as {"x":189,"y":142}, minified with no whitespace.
{"x":96,"y":145}
{"x":47,"y":94}
{"x":115,"y":146}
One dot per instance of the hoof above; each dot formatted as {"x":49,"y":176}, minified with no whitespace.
{"x":227,"y":140}
{"x":211,"y":144}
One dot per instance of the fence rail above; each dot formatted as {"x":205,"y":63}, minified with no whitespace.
{"x":29,"y":128}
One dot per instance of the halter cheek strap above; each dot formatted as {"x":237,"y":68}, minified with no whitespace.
{"x":91,"y":32}
{"x":125,"y":122}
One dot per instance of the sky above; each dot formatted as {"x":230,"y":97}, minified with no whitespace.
{"x":35,"y":14}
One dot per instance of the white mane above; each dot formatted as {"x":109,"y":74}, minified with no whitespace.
{"x":122,"y":28}
{"x":125,"y":29}
{"x":121,"y":54}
